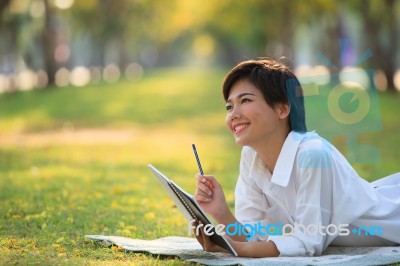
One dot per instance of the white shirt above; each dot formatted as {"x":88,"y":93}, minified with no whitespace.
{"x":313,"y":183}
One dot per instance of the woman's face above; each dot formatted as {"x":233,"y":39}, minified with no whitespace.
{"x":251,"y":120}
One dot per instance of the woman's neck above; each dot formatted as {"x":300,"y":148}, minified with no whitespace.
{"x":270,"y":148}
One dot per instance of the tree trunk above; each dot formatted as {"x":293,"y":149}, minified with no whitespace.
{"x":383,"y":57}
{"x":392,"y":49}
{"x":3,"y":6}
{"x":49,"y":44}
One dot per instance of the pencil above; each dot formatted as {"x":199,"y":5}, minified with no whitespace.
{"x":197,"y":159}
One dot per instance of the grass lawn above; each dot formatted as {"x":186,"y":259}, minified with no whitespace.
{"x":73,"y":161}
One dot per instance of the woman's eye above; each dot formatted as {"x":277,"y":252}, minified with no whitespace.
{"x":228,"y":107}
{"x":245,"y":100}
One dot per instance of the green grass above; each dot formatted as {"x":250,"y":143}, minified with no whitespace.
{"x":73,"y":162}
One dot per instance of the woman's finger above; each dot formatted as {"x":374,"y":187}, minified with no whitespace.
{"x":201,"y":193}
{"x":202,"y":198}
{"x":210,"y":246}
{"x":206,"y":179}
{"x":204,"y":188}
{"x":198,"y":234}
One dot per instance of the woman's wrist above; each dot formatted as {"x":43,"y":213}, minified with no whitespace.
{"x":224,"y":216}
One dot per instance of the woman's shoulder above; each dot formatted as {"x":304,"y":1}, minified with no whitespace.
{"x":315,"y":149}
{"x":312,"y":141}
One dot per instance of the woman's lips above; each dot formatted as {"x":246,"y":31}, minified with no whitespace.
{"x":238,"y":128}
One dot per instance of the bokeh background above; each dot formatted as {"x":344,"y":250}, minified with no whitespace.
{"x":61,"y":42}
{"x":92,"y":91}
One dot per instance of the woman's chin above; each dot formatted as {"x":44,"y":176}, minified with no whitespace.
{"x":240,"y":141}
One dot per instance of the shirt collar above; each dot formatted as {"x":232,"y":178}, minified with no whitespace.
{"x":284,"y":164}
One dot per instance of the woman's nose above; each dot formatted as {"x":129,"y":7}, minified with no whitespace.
{"x":235,"y":113}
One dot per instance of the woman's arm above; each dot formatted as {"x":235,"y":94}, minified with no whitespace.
{"x":255,"y":249}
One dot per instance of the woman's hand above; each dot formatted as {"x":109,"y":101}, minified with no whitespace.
{"x":243,"y":249}
{"x":205,"y":240}
{"x":210,"y":196}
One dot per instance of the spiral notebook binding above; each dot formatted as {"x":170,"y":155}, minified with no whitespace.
{"x":183,"y":201}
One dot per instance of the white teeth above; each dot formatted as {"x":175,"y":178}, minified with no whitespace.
{"x":240,"y":127}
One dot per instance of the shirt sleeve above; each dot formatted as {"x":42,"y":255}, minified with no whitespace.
{"x":250,"y":201}
{"x":314,"y":174}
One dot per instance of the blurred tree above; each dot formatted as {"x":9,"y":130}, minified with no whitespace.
{"x":102,"y":22}
{"x":381,"y":28}
{"x":380,"y":33}
{"x":263,"y":27}
{"x":48,"y":42}
{"x":126,"y":26}
{"x":99,"y":32}
{"x":17,"y":37}
{"x":3,"y":6}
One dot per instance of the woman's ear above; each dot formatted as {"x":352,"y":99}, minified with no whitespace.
{"x":283,"y":110}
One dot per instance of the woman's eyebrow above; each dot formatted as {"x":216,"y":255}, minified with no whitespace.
{"x":241,"y":95}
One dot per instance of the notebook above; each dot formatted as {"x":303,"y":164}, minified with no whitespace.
{"x":189,"y":207}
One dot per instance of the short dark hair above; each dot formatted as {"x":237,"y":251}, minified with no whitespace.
{"x":277,"y":83}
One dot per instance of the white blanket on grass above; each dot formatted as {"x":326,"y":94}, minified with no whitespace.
{"x":190,"y":250}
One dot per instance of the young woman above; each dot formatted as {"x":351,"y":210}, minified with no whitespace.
{"x":292,"y":177}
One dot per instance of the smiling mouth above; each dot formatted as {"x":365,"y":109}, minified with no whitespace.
{"x":239,"y":128}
